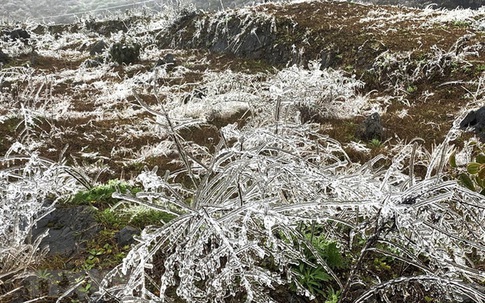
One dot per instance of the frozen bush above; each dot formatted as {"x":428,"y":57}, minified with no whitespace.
{"x":243,"y":208}
{"x":29,"y":188}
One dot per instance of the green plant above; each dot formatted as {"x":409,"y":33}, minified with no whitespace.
{"x":136,"y":217}
{"x":95,"y":254}
{"x":313,"y":276}
{"x":85,"y":288}
{"x":332,"y":296}
{"x":375,"y":143}
{"x":381,"y":265}
{"x":474,"y":176}
{"x":461,"y":23}
{"x":480,"y":67}
{"x":43,"y":274}
{"x":44,"y":277}
{"x":411,"y":89}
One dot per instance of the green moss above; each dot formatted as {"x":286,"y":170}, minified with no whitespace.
{"x":117,"y":219}
{"x":101,"y":195}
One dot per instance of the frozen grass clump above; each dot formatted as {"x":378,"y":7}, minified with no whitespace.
{"x":317,"y":93}
{"x":399,"y":72}
{"x":239,"y":213}
{"x":30,"y":186}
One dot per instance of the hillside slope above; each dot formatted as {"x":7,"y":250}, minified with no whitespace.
{"x":417,"y":68}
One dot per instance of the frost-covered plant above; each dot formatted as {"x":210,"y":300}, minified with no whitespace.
{"x":232,"y":221}
{"x":29,"y":188}
{"x":237,"y":215}
{"x":317,"y":93}
{"x":399,"y":71}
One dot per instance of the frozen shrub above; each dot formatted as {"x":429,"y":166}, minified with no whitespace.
{"x":236,"y":232}
{"x":29,"y":188}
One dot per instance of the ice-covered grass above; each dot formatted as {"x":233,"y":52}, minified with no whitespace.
{"x":30,"y":187}
{"x":247,"y":204}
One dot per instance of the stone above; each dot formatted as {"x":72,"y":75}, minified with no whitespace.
{"x":16,"y":34}
{"x":371,"y":128}
{"x":168,"y":61}
{"x":475,"y":120}
{"x":90,"y":63}
{"x":98,"y":48}
{"x":327,"y":58}
{"x":256,"y":42}
{"x":4,"y":58}
{"x":108,"y":27}
{"x":69,"y":230}
{"x":125,"y":236}
{"x":125,"y":53}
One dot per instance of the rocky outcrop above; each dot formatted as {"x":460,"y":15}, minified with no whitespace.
{"x":98,"y":48}
{"x":124,"y":53}
{"x":4,"y":58}
{"x":126,"y":236}
{"x":69,"y":230}
{"x":450,"y":4}
{"x":16,"y":34}
{"x":106,"y":28}
{"x":250,"y":37}
{"x":475,"y":121}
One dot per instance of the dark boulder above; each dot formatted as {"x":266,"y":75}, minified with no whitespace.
{"x":108,"y":27}
{"x":475,"y":120}
{"x":16,"y":34}
{"x":4,"y":58}
{"x":371,"y":128}
{"x":328,"y":58}
{"x":69,"y":230}
{"x":126,"y":53}
{"x":197,"y":93}
{"x":168,"y":60}
{"x":125,"y":236}
{"x":90,"y":63}
{"x":250,"y":38}
{"x":98,"y":48}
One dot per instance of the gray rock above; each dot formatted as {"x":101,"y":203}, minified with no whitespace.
{"x":69,"y":230}
{"x":98,"y":48}
{"x":475,"y":120}
{"x":93,"y":62}
{"x":125,"y":236}
{"x":257,"y":42}
{"x":125,"y":53}
{"x":371,"y":128}
{"x":327,"y":58}
{"x":16,"y":34}
{"x":4,"y":58}
{"x":168,"y":61}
